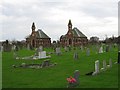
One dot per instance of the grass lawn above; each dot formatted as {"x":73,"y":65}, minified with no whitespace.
{"x":55,"y":77}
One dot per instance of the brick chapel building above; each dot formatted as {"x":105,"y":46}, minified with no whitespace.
{"x":38,"y":38}
{"x":74,"y":37}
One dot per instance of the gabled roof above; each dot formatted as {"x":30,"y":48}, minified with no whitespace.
{"x":41,"y":34}
{"x":77,"y":33}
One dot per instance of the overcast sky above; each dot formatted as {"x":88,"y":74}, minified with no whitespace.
{"x":92,"y":17}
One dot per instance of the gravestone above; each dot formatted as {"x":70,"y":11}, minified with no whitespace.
{"x":28,"y":46}
{"x":40,"y":48}
{"x":69,"y":47}
{"x":96,"y":68}
{"x":107,"y":48}
{"x":58,"y":51}
{"x":13,"y":47}
{"x":119,"y":57}
{"x":88,"y":52}
{"x":101,"y":50}
{"x":81,"y":47}
{"x":75,"y":56}
{"x":23,"y":65}
{"x":1,"y":48}
{"x":110,"y":47}
{"x":110,"y":62}
{"x":104,"y":65}
{"x":76,"y":76}
{"x":7,"y":47}
{"x":45,"y":63}
{"x":14,"y":55}
{"x":42,"y":54}
{"x":66,"y":48}
{"x":16,"y":48}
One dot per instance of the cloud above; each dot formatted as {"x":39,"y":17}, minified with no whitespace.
{"x":94,"y":17}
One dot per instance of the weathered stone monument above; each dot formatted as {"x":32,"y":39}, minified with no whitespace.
{"x":75,"y":56}
{"x":58,"y":51}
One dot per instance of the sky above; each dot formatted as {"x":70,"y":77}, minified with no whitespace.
{"x":92,"y":17}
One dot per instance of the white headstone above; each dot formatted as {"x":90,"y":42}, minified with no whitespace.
{"x":97,"y":70}
{"x":101,"y":50}
{"x":42,"y":54}
{"x":97,"y":66}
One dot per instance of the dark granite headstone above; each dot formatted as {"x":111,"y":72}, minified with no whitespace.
{"x":76,"y":76}
{"x":107,"y":48}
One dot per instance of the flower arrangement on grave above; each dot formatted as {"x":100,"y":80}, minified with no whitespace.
{"x":71,"y":80}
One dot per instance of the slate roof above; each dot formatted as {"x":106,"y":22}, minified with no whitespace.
{"x":40,"y":34}
{"x":77,"y":33}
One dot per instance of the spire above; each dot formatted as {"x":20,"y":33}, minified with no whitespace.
{"x":33,"y":27}
{"x":69,"y":23}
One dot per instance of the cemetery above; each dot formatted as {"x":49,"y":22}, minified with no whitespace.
{"x":88,"y":67}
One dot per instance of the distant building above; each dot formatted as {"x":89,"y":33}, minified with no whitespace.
{"x":37,"y":38}
{"x":94,"y":40}
{"x":74,"y":37}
